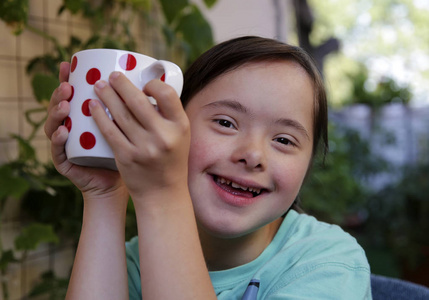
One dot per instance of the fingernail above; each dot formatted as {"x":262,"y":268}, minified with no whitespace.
{"x":100,"y":84}
{"x":115,"y":75}
{"x":92,"y":103}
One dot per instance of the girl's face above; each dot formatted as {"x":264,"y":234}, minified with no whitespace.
{"x":251,"y":145}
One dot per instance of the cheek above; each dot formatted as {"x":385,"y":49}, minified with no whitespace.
{"x":202,"y":153}
{"x":290,"y":175}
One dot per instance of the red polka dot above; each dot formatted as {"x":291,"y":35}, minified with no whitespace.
{"x":87,"y":140}
{"x":68,"y":123}
{"x":127,"y":62}
{"x":163,"y":77}
{"x":93,"y":76}
{"x":85,"y":108}
{"x":72,"y":94}
{"x":73,"y":64}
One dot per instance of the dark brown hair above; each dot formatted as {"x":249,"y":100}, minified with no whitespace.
{"x":234,"y":53}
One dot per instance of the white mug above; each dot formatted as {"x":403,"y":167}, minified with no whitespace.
{"x":86,"y":145}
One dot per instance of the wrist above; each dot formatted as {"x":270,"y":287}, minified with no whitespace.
{"x":106,"y":204}
{"x":162,"y":200}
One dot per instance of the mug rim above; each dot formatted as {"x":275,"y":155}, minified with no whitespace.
{"x":112,"y":50}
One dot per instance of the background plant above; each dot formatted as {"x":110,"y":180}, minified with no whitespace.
{"x":50,"y":205}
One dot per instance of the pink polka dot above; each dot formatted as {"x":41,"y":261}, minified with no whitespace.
{"x":68,"y":123}
{"x":127,"y":62}
{"x":87,"y":140}
{"x":85,"y":108}
{"x":72,"y":94}
{"x":163,"y":77}
{"x":93,"y":76}
{"x":73,"y":64}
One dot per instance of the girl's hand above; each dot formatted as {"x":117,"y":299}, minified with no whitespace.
{"x":91,"y":181}
{"x":151,"y":144}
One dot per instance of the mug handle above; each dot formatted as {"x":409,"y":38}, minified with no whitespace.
{"x":171,"y":72}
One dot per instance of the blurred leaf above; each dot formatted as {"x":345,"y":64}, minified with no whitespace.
{"x":196,"y":32}
{"x":73,"y":5}
{"x":26,"y":151}
{"x":12,"y":184}
{"x":168,"y":34}
{"x":7,"y":258}
{"x":172,"y":9}
{"x":46,"y":64}
{"x":210,"y":3}
{"x":93,"y":40}
{"x":14,"y":13}
{"x":55,"y":287}
{"x":35,"y":234}
{"x":43,"y":86}
{"x":140,"y":4}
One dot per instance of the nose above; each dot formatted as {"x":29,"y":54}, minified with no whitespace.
{"x":250,"y":153}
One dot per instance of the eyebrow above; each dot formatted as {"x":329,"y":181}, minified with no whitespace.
{"x":294,"y":124}
{"x":237,"y":106}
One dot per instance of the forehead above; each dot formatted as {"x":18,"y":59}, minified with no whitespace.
{"x":285,"y":77}
{"x":274,"y":88}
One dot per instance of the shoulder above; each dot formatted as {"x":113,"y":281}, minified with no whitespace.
{"x":317,"y":258}
{"x":305,"y":238}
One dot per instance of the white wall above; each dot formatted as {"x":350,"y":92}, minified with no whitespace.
{"x":233,"y":18}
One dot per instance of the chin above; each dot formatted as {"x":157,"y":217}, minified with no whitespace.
{"x":232,"y":228}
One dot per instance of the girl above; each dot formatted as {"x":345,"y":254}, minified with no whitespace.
{"x":213,"y":182}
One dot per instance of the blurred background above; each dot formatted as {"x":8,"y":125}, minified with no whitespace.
{"x":375,"y":62}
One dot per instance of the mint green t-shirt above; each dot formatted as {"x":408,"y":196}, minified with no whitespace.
{"x":307,"y":259}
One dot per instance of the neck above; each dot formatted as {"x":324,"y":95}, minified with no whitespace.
{"x":226,"y":253}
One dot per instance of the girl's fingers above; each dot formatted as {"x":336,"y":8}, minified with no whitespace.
{"x":168,"y":102}
{"x":58,"y":140}
{"x":64,"y":71}
{"x":113,"y":135}
{"x":56,"y":116}
{"x":122,"y":115}
{"x":134,"y":99}
{"x":64,"y":90}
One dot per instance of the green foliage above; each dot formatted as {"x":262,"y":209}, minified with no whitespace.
{"x":185,"y":21}
{"x":399,"y":214}
{"x":53,"y":206}
{"x":12,"y":184}
{"x":173,"y":9}
{"x":6,"y":258}
{"x":335,"y":187}
{"x":74,"y":6}
{"x":196,"y":32}
{"x":209,"y":3}
{"x":33,"y":235}
{"x":390,"y":37}
{"x":44,"y":86}
{"x":51,"y":285}
{"x":14,"y":13}
{"x":384,"y":92}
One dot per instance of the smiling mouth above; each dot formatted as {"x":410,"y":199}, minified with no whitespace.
{"x":236,"y":188}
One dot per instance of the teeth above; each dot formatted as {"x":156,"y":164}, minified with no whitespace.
{"x":237,"y":186}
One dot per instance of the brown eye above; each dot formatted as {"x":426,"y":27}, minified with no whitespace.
{"x":284,"y":141}
{"x":225,"y":123}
